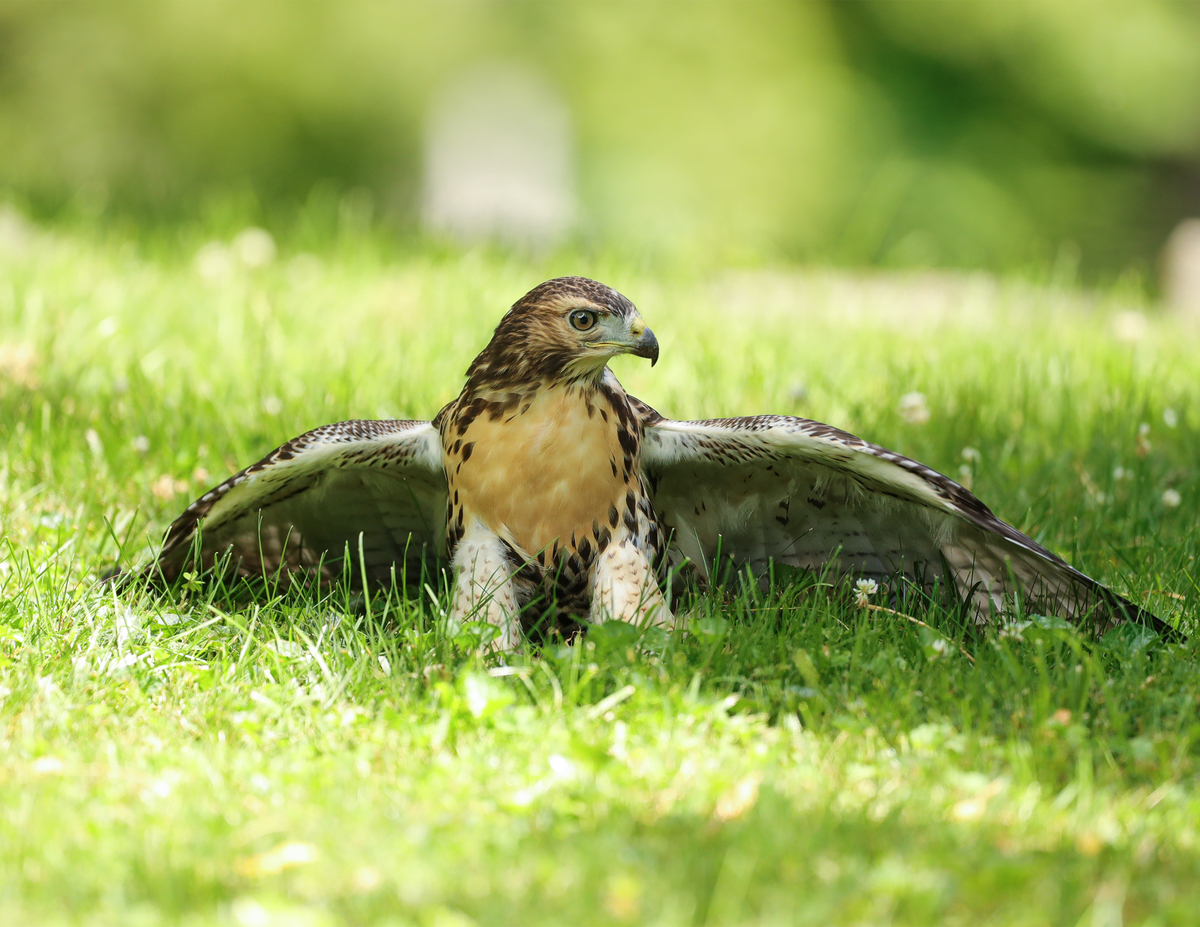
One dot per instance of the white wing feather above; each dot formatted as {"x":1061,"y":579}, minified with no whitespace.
{"x":792,"y":491}
{"x":376,"y":488}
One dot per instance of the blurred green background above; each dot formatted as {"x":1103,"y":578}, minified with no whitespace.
{"x":1000,"y":135}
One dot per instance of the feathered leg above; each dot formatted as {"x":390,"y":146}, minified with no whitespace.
{"x":626,"y":588}
{"x":483,"y":586}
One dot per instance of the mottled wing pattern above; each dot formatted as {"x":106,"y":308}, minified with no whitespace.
{"x":372,"y":486}
{"x":788,"y":490}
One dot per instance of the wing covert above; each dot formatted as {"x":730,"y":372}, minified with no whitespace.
{"x":374,"y":486}
{"x":775,"y":488}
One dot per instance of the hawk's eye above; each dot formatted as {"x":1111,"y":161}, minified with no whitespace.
{"x":582,"y":319}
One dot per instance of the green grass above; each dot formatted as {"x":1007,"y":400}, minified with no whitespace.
{"x":791,"y":760}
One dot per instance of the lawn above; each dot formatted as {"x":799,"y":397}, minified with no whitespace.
{"x":792,"y":759}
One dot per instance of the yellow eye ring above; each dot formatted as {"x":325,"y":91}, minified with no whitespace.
{"x":582,"y":319}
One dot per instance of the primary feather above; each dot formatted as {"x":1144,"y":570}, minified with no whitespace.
{"x":546,"y":489}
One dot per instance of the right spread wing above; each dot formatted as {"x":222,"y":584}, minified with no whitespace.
{"x":774,"y":488}
{"x":372,"y":486}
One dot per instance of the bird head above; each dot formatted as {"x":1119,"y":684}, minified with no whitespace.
{"x":566,"y":329}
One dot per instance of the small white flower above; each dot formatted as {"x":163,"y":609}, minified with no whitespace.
{"x":970,"y":455}
{"x":47,"y":766}
{"x":1171,"y":498}
{"x":19,"y":362}
{"x":254,"y":247}
{"x":1130,"y":326}
{"x":214,"y":263}
{"x":303,"y":269}
{"x":289,"y":649}
{"x":122,"y":665}
{"x":1143,"y":439}
{"x":141,"y":444}
{"x":913,"y":409}
{"x":272,"y":405}
{"x":166,"y":487}
{"x":366,"y":879}
{"x":863,"y":590}
{"x":128,"y":624}
{"x":1170,"y":418}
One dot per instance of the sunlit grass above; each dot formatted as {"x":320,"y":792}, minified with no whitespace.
{"x":207,"y":759}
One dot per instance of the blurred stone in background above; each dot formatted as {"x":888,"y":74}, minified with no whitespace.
{"x":1181,"y":268}
{"x":499,"y":159}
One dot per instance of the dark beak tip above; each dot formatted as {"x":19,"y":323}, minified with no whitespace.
{"x":647,"y":347}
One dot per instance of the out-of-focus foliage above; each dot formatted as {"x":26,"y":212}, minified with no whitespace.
{"x":877,"y":132}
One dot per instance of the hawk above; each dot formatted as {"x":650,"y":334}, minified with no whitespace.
{"x":545,"y":489}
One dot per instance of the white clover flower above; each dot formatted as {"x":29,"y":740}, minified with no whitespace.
{"x":970,"y":455}
{"x":254,"y":247}
{"x":863,"y":590}
{"x":19,"y":363}
{"x":1143,"y":439}
{"x":303,"y":269}
{"x":214,"y":262}
{"x":1171,"y":498}
{"x":1130,"y":326}
{"x":166,"y":487}
{"x":913,"y":408}
{"x":1170,"y":418}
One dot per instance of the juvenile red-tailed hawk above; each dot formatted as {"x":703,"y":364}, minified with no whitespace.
{"x":547,"y":489}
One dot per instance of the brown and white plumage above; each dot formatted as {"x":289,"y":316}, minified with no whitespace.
{"x":547,"y":490}
{"x":547,"y":501}
{"x":373,"y":487}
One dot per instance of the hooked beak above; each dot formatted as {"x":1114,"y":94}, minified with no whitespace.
{"x":646,"y":344}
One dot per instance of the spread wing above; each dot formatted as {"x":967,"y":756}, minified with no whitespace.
{"x":797,"y":492}
{"x":372,"y":487}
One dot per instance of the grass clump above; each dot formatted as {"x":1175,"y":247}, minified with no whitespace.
{"x":792,"y":759}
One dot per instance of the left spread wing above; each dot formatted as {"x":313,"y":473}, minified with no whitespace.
{"x":370,"y":487}
{"x":774,"y":488}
